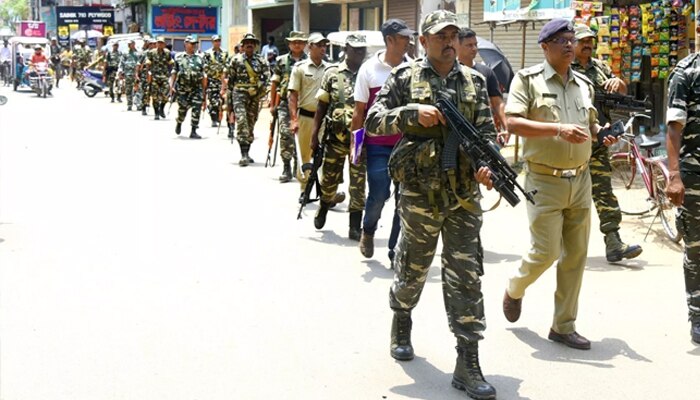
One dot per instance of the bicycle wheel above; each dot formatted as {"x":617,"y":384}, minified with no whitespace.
{"x":667,"y":210}
{"x":628,"y":185}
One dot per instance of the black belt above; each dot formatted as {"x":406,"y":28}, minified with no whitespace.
{"x":306,"y":113}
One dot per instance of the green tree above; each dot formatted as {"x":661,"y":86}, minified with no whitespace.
{"x":11,"y":10}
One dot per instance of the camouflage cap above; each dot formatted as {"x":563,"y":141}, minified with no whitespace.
{"x":437,"y":21}
{"x":317,"y":38}
{"x":215,"y":38}
{"x":160,"y":39}
{"x":250,"y":37}
{"x":356,"y":40}
{"x":296,"y":36}
{"x":191,"y":39}
{"x":582,"y":31}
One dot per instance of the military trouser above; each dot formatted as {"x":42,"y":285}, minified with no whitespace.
{"x":605,"y":201}
{"x":111,"y":80}
{"x":214,"y":98}
{"x":286,"y":137}
{"x":145,"y":90}
{"x":304,"y":133}
{"x":333,"y":166}
{"x":560,"y":224}
{"x":462,"y":260}
{"x":159,"y":90}
{"x":186,"y":99}
{"x":129,"y":88}
{"x":688,"y":223}
{"x":246,"y":109}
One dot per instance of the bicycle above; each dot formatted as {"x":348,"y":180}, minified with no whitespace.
{"x":639,"y":180}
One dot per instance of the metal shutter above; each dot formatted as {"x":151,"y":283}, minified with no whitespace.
{"x":406,"y":10}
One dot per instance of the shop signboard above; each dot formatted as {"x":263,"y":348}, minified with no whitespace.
{"x":510,"y":10}
{"x":31,"y":28}
{"x":70,"y":19}
{"x":184,"y":20}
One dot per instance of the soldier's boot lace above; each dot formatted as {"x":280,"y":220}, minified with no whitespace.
{"x":355,"y":232}
{"x":338,"y":198}
{"x":616,"y":249}
{"x":321,"y":213}
{"x":467,"y":375}
{"x":367,"y":244}
{"x":178,"y":128}
{"x":695,"y":329}
{"x":244,"y":155}
{"x":401,"y":347}
{"x":286,"y":172}
{"x":193,"y":134}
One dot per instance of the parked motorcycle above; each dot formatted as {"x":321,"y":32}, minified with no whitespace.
{"x":41,"y":79}
{"x":92,"y":82}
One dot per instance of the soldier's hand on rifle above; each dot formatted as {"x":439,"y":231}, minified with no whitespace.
{"x":608,"y":140}
{"x":572,"y":133}
{"x":675,"y":190}
{"x":429,"y":116}
{"x":613,"y":85}
{"x":483,"y":176}
{"x":503,"y":138}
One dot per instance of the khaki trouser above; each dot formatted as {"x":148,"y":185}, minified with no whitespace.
{"x":560,"y":223}
{"x":306,"y":127}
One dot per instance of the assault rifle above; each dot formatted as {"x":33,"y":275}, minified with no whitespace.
{"x":313,"y":180}
{"x":271,"y":140}
{"x":605,"y":101}
{"x":482,"y":152}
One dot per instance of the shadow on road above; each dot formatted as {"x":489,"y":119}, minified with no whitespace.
{"x":330,"y":237}
{"x":430,"y":383}
{"x":601,"y":264}
{"x":602,"y":351}
{"x":377,"y":270}
{"x":696,"y":351}
{"x":496,"y":258}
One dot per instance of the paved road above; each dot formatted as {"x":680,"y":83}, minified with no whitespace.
{"x":135,"y":264}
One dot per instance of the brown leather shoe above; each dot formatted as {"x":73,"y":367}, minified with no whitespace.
{"x":511,"y":307}
{"x":573,"y":340}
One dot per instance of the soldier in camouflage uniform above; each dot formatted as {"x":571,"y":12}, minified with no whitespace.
{"x":81,"y":58}
{"x":127,"y":70}
{"x":429,"y":204}
{"x":215,"y":62}
{"x":278,"y":98}
{"x":336,"y":105}
{"x":683,"y":146}
{"x":281,"y":71}
{"x":189,"y":82}
{"x":247,"y":77}
{"x":159,"y":64}
{"x":142,"y":76}
{"x":601,"y":174}
{"x":110,"y":65}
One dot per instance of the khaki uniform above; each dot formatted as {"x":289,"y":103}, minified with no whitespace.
{"x":306,"y":80}
{"x":560,"y":219}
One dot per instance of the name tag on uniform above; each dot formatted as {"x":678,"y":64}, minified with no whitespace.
{"x":549,"y":95}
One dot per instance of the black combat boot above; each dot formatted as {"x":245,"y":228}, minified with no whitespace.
{"x":119,"y":98}
{"x":193,"y":134}
{"x":162,"y":110}
{"x":286,"y":172}
{"x":231,"y":128}
{"x":128,"y":108}
{"x":247,"y":156}
{"x":144,"y":110}
{"x":467,"y":375}
{"x":156,"y":111}
{"x":112,"y":101}
{"x":695,"y":329}
{"x":338,"y":198}
{"x":178,"y":128}
{"x":401,"y":347}
{"x":355,"y":222}
{"x":244,"y":155}
{"x":214,"y":120}
{"x":321,"y":213}
{"x":616,"y":249}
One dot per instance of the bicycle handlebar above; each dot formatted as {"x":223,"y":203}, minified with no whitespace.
{"x":630,"y":121}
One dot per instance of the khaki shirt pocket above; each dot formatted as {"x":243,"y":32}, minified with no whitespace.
{"x":547,"y":110}
{"x":585,"y":113}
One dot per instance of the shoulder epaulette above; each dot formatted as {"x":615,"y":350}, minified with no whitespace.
{"x":535,"y":69}
{"x":583,"y":77}
{"x":404,"y":65}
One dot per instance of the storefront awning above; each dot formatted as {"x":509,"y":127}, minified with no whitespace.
{"x":270,"y":4}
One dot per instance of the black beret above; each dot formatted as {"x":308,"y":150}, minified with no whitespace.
{"x":553,"y":27}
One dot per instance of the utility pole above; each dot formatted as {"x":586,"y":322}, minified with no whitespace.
{"x":296,"y":23}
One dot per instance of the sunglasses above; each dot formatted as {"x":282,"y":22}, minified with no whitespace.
{"x":562,"y":40}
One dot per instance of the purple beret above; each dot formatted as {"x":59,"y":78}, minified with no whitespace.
{"x":553,"y":27}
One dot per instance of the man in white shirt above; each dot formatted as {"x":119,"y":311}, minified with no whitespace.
{"x":370,"y":79}
{"x":269,"y":47}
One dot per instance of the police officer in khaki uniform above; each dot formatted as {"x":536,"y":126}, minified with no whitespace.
{"x":551,"y":107}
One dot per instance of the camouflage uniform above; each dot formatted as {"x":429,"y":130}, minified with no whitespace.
{"x":189,"y":73}
{"x":159,"y":63}
{"x":111,"y":65}
{"x":337,"y":136}
{"x":280,"y":73}
{"x":684,"y":107}
{"x":144,"y":85}
{"x":428,"y":204}
{"x":127,"y":66}
{"x":215,"y":63}
{"x":245,"y":89}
